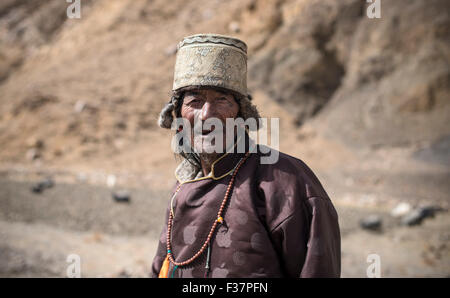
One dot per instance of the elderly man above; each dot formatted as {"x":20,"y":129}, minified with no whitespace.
{"x":231,"y":214}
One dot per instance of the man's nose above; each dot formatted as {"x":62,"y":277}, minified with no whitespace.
{"x":208,"y":111}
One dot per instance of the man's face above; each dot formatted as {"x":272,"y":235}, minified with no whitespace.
{"x":202,"y":104}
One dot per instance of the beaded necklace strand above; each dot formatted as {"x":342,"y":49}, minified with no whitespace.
{"x":219,"y":220}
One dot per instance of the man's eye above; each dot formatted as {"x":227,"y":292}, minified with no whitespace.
{"x":194,"y":100}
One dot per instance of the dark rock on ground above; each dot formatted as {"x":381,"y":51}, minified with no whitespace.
{"x":40,"y":186}
{"x":371,"y":222}
{"x":121,"y":196}
{"x":416,"y":216}
{"x":36,"y":188}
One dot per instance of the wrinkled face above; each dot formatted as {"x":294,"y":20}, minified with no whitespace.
{"x":199,"y":105}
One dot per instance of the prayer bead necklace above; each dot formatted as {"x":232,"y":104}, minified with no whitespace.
{"x":218,"y":220}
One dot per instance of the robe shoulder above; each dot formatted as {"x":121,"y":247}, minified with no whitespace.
{"x":286,"y":187}
{"x":291,"y":172}
{"x":303,"y":223}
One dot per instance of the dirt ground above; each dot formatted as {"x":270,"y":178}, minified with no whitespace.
{"x":78,"y":216}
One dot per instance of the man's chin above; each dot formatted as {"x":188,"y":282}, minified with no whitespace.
{"x":206,"y":145}
{"x":206,"y":151}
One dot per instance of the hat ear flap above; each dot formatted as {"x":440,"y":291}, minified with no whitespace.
{"x":166,"y":117}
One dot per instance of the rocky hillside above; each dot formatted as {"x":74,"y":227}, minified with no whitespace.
{"x":77,"y":90}
{"x":364,"y":102}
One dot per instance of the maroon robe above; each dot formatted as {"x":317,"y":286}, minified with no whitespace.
{"x":279,"y":222}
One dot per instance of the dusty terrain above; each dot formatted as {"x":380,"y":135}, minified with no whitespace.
{"x":364,"y":102}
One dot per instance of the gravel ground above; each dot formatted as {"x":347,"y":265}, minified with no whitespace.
{"x":39,"y":231}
